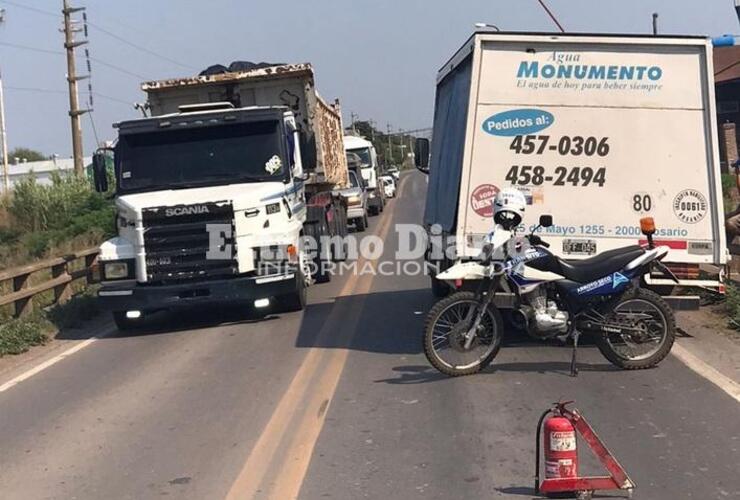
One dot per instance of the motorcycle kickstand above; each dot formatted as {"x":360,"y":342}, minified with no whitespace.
{"x":573,"y":361}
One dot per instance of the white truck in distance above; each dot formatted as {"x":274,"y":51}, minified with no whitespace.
{"x":216,"y":190}
{"x":365,"y":150}
{"x":597,"y":131}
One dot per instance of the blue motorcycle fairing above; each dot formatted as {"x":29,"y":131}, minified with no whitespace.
{"x":609,"y":284}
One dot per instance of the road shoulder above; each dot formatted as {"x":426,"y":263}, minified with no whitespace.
{"x":707,"y":340}
{"x":60,"y":342}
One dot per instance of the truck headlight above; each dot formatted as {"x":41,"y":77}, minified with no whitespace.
{"x":118,"y":269}
{"x":354,"y":200}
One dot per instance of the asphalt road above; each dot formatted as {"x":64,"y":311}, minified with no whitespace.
{"x":339,"y":402}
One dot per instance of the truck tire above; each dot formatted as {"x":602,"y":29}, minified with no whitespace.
{"x":339,"y":250}
{"x":125,"y":324}
{"x":316,"y":230}
{"x":342,"y":229}
{"x":361,"y":224}
{"x":295,"y":301}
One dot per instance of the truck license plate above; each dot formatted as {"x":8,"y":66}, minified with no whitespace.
{"x":579,"y":247}
{"x":159,"y":261}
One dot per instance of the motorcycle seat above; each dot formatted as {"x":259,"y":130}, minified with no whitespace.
{"x":599,"y":266}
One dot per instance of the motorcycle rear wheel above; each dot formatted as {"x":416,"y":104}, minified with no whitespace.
{"x":661,"y":327}
{"x":443,"y":332}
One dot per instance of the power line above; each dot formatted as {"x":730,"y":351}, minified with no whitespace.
{"x":139,"y":47}
{"x":114,"y":99}
{"x":106,"y":32}
{"x":34,"y":89}
{"x":55,"y":91}
{"x":552,"y":16}
{"x":94,"y":130}
{"x":119,"y":69}
{"x":59,"y":52}
{"x":32,"y":49}
{"x":32,"y":9}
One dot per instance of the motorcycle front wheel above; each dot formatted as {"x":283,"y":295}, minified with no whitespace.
{"x":646,"y":312}
{"x":445,"y":335}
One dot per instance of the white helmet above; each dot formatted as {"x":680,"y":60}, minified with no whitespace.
{"x":508,"y":208}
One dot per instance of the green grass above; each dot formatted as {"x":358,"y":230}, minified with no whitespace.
{"x":19,"y":335}
{"x":40,"y":221}
{"x":728,"y":183}
{"x":732,"y":305}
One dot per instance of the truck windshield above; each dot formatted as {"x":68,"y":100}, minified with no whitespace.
{"x":200,"y":156}
{"x":353,"y":182}
{"x":364,"y":154}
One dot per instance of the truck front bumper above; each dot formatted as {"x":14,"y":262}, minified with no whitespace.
{"x":355,"y":212}
{"x":131,"y":296}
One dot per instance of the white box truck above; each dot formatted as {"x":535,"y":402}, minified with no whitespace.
{"x":369,"y":168}
{"x":216,"y":189}
{"x":597,"y":130}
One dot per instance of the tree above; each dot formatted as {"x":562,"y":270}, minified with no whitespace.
{"x":391,"y":152}
{"x":26,"y":154}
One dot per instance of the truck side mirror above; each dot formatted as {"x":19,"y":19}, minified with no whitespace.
{"x":421,"y":155}
{"x":546,"y":220}
{"x":100,"y":172}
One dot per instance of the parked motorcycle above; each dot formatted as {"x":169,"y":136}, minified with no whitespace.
{"x":634,"y":328}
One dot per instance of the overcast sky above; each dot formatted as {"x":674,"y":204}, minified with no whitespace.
{"x":379,"y":57}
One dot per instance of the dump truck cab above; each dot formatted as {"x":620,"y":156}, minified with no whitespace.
{"x":215,"y":201}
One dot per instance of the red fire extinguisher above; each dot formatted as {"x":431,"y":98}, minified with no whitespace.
{"x":561,"y":455}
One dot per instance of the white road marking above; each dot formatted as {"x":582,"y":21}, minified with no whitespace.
{"x":708,"y":372}
{"x":52,"y":361}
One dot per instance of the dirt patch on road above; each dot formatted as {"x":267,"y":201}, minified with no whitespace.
{"x":715,"y":317}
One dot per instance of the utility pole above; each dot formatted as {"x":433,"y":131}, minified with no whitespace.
{"x":353,"y":117}
{"x":75,"y":113}
{"x":6,"y":177}
{"x":655,"y":23}
{"x":390,"y":145}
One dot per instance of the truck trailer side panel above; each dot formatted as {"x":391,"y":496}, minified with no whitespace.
{"x":450,"y":116}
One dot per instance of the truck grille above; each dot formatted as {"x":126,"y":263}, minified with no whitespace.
{"x":176,"y":241}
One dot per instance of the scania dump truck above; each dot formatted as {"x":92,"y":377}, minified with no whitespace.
{"x":217,"y":190}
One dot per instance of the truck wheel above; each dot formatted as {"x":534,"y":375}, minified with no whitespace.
{"x":295,"y":301}
{"x":125,"y":324}
{"x":361,"y":224}
{"x":440,"y":289}
{"x":342,"y":231}
{"x":316,"y":230}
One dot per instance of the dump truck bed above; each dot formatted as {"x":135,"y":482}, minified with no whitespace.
{"x":291,"y":85}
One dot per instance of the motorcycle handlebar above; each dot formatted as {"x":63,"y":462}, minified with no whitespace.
{"x":536,"y":240}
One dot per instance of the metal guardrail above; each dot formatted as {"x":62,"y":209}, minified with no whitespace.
{"x":61,"y":280}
